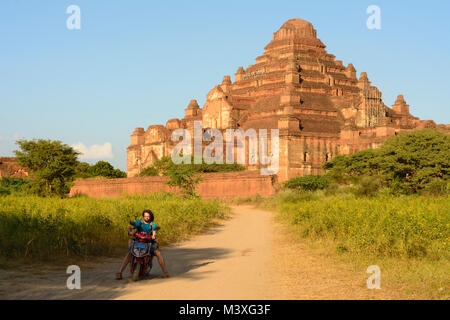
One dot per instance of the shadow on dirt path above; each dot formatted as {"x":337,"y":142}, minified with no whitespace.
{"x":97,"y":280}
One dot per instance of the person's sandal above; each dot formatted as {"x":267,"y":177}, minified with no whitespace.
{"x":118,"y":276}
{"x":165,"y":275}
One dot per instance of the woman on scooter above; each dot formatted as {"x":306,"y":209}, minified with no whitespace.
{"x":148,"y":226}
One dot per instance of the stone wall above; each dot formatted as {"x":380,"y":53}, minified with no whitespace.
{"x":213,"y":186}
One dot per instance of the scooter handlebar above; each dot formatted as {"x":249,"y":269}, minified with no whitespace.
{"x":143,"y":235}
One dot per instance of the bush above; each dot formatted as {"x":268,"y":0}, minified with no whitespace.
{"x":10,"y":185}
{"x":332,"y":189}
{"x":184,"y":178}
{"x":437,"y":187}
{"x":4,"y":191}
{"x":367,"y":186}
{"x":308,"y":183}
{"x":149,"y":172}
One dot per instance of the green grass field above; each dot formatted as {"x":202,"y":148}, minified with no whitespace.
{"x":404,"y":227}
{"x":43,"y":228}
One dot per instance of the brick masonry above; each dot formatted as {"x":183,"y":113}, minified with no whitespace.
{"x":213,"y":186}
{"x":9,"y":168}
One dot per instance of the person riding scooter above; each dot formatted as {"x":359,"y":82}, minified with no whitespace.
{"x":149,"y":227}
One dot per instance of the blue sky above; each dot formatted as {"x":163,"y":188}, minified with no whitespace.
{"x":137,"y":63}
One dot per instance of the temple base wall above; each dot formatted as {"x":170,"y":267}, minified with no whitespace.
{"x":213,"y":186}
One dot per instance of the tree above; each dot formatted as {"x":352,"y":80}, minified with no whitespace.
{"x":105,"y":169}
{"x":348,"y":167}
{"x":185,"y":178}
{"x":101,"y":169}
{"x":81,"y":171}
{"x":410,"y":162}
{"x":415,"y":159}
{"x":51,"y":163}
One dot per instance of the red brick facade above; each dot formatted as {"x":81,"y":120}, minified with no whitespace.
{"x":213,"y":186}
{"x":9,"y":168}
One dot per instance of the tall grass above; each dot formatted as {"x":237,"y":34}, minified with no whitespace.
{"x":47,"y":227}
{"x":384,"y":226}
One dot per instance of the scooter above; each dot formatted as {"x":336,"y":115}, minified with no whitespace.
{"x":141,"y":257}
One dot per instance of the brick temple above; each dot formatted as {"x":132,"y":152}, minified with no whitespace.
{"x":321,"y":107}
{"x":10,"y":169}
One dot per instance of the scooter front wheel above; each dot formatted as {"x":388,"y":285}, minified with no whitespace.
{"x":149,"y":267}
{"x":136,"y":271}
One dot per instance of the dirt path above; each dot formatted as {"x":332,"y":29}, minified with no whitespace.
{"x":247,"y":257}
{"x":233,"y":262}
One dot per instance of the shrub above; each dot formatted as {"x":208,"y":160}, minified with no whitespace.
{"x":184,"y":178}
{"x":149,"y":172}
{"x":332,"y":189}
{"x":13,"y":185}
{"x":367,"y":186}
{"x":4,"y":191}
{"x":309,"y":182}
{"x":437,"y":187}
